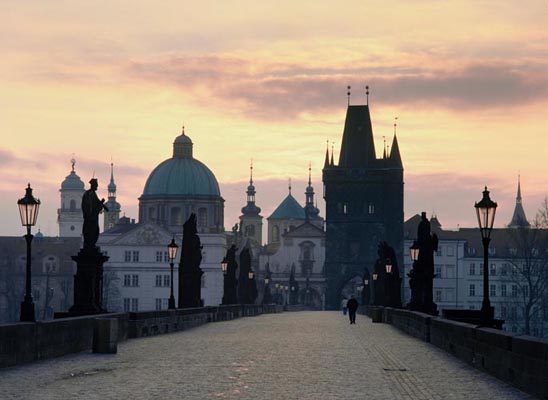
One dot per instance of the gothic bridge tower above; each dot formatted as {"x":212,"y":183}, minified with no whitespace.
{"x":364,"y":203}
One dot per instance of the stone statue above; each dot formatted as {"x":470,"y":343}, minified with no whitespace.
{"x":91,"y":208}
{"x":190,"y":273}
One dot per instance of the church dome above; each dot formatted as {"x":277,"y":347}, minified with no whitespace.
{"x":72,"y":181}
{"x":181,"y":175}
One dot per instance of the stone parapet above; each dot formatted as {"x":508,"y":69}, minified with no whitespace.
{"x":32,"y":341}
{"x":517,"y":359}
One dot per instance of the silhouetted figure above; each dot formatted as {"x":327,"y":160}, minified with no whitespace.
{"x":352,"y":306}
{"x":424,"y":270}
{"x":230,"y":283}
{"x":190,"y":274}
{"x":244,"y":286}
{"x":91,"y":208}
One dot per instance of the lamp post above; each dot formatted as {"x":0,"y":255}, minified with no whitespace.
{"x":267,"y":297}
{"x":375,"y":277}
{"x":485,"y":211}
{"x":415,"y":280}
{"x":365,"y":293}
{"x":172,"y":254}
{"x":388,"y":283}
{"x":28,"y":210}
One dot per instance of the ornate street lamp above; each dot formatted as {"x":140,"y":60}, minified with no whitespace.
{"x":485,"y":211}
{"x":172,"y":254}
{"x":414,"y":251}
{"x":388,"y":266}
{"x":224,"y":266}
{"x":28,"y":210}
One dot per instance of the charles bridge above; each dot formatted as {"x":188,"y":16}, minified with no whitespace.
{"x":213,"y":353}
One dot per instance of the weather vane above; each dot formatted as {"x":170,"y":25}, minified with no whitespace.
{"x":348,"y":93}
{"x":367,"y":95}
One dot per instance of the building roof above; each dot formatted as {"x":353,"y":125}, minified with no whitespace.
{"x":358,"y":147}
{"x":72,"y":182}
{"x":519,"y":220}
{"x":181,"y":175}
{"x":289,"y":208}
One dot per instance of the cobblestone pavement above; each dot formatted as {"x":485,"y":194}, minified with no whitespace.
{"x":301,"y":355}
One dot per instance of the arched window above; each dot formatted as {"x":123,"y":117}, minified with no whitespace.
{"x":250,"y":230}
{"x":176,"y":216}
{"x":275,"y":233}
{"x":73,"y":205}
{"x":202,"y":217}
{"x":151,"y":214}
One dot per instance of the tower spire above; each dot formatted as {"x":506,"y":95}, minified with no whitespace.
{"x":326,"y":162}
{"x":519,"y":220}
{"x":309,"y":173}
{"x":251,"y":173}
{"x":289,"y":186}
{"x":332,"y":151}
{"x":348,"y":93}
{"x":367,"y":95}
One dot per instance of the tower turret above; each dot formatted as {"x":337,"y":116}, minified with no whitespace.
{"x":111,"y":216}
{"x":251,"y":222}
{"x":69,"y":215}
{"x":519,"y":220}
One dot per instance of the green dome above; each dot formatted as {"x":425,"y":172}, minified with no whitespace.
{"x":181,"y":177}
{"x":72,"y":181}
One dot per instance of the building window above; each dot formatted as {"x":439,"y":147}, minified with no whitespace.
{"x":472,"y":290}
{"x":471,"y":307}
{"x":275,"y":233}
{"x":514,"y":290}
{"x":345,"y":209}
{"x":492,"y":251}
{"x":438,"y":295}
{"x":513,"y":252}
{"x":504,"y":270}
{"x":514,"y":270}
{"x":481,"y":269}
{"x":135,"y":280}
{"x":493,"y":270}
{"x":203,"y":282}
{"x":202,"y":217}
{"x":492,"y":290}
{"x":135,"y":256}
{"x":525,"y":291}
{"x":127,"y":280}
{"x":127,"y":256}
{"x":158,"y":280}
{"x":503,"y":290}
{"x":167,"y":280}
{"x":450,"y":251}
{"x":50,"y":265}
{"x":513,"y":313}
{"x":176,"y":216}
{"x":503,"y":311}
{"x":134,"y":305}
{"x":166,"y":256}
{"x":438,"y":272}
{"x":159,"y":256}
{"x":472,"y":270}
{"x":371,"y":208}
{"x":151,"y":214}
{"x":126,"y":304}
{"x":439,"y":252}
{"x":158,"y":303}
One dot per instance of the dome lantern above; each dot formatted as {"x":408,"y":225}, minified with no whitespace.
{"x":182,"y":146}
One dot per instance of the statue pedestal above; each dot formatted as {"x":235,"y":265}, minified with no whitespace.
{"x":88,"y":282}
{"x":190,"y":286}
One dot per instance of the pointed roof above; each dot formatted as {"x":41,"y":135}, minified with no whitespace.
{"x":519,"y":220}
{"x":112,"y":185}
{"x":358,"y":148}
{"x":326,"y":162}
{"x":289,"y":208}
{"x":395,"y":156}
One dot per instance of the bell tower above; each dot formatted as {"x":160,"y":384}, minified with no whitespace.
{"x":69,"y":215}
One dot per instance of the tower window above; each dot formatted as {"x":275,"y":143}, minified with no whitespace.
{"x":345,"y":209}
{"x":371,"y":208}
{"x":73,"y":205}
{"x":151,"y":213}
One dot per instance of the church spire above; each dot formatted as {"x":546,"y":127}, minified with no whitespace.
{"x":251,"y":208}
{"x":357,"y":148}
{"x":310,"y":210}
{"x":111,"y":216}
{"x":519,"y":220}
{"x":326,"y":162}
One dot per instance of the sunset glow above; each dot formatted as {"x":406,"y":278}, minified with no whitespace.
{"x":267,"y":80}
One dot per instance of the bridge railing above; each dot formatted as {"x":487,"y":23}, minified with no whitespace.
{"x":520,"y":360}
{"x":25,"y":342}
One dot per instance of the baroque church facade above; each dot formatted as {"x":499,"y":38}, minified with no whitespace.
{"x":138,"y":266}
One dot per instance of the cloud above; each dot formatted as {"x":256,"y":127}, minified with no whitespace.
{"x":6,"y":157}
{"x":278,"y":91}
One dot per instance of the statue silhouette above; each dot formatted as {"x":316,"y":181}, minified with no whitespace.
{"x":91,"y":208}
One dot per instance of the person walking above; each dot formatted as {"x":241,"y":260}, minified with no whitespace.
{"x":352,"y":306}
{"x":343,"y":305}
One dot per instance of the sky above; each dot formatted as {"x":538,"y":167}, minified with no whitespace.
{"x":116,"y":80}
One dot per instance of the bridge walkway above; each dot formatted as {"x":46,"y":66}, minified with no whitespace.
{"x":299,"y":355}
